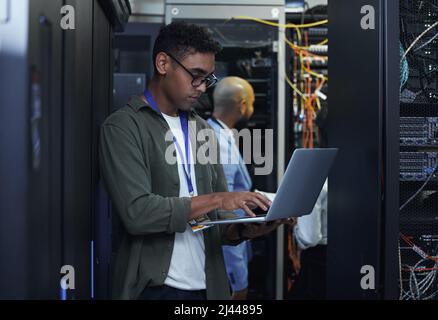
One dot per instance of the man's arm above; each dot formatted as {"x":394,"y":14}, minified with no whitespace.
{"x":127,"y":177}
{"x":308,"y":232}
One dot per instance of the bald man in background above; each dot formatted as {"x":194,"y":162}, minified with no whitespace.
{"x":233,"y":102}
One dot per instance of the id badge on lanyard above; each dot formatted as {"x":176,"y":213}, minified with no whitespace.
{"x":185,"y":128}
{"x":194,"y":224}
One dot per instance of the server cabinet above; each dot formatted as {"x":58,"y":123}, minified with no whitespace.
{"x":55,"y":91}
{"x":77,"y":140}
{"x":100,"y":246}
{"x":301,"y":134}
{"x":363,"y":213}
{"x":30,"y":163}
{"x":418,"y":244}
{"x":88,"y":64}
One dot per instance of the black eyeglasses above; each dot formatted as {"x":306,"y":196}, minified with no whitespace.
{"x":209,"y":80}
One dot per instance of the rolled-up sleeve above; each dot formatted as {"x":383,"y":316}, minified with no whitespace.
{"x":127,"y":177}
{"x":308,"y":230}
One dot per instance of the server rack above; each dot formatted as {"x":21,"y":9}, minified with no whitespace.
{"x":382,"y":191}
{"x":363,"y":122}
{"x":418,"y":244}
{"x":30,"y":246}
{"x":316,"y":59}
{"x":56,"y":90}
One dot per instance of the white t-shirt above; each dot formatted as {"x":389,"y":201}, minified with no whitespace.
{"x":187,"y":266}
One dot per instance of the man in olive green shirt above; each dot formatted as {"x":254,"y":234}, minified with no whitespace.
{"x":160,"y":257}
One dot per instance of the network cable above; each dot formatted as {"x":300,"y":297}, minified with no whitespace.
{"x":418,"y":38}
{"x":404,"y":68}
{"x":420,"y":189}
{"x":418,"y":288}
{"x":288,"y":25}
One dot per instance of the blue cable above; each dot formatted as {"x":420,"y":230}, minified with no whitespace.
{"x":404,"y":68}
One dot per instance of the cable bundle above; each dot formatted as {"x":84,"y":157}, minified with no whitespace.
{"x":422,"y":281}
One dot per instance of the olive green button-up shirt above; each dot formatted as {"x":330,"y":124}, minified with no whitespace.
{"x":144,"y":190}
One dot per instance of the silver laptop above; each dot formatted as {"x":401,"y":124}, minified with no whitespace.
{"x":299,"y":189}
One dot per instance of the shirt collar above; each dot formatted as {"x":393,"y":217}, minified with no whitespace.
{"x":225,"y":128}
{"x":223,"y":124}
{"x":137,"y":103}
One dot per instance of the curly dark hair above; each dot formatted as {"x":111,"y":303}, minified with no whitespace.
{"x":182,"y":38}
